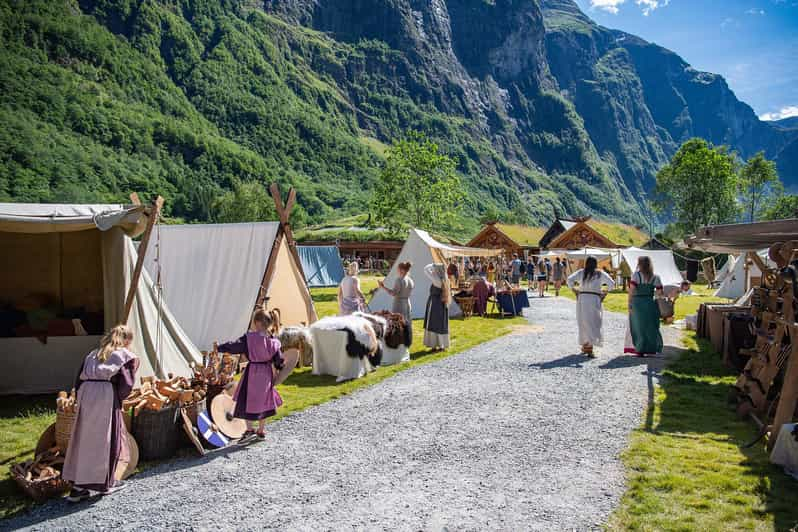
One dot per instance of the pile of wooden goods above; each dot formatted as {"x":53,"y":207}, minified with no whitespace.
{"x":767,"y":388}
{"x":67,"y":402}
{"x":154,"y":394}
{"x":217,"y":369}
{"x":40,"y":477}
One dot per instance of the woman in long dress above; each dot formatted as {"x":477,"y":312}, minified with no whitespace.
{"x":589,"y":310}
{"x":401,"y":291}
{"x":99,"y":438}
{"x":350,"y":298}
{"x":644,"y":337}
{"x":436,"y":317}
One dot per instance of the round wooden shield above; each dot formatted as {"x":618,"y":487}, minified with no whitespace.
{"x":125,"y":468}
{"x":210,"y":431}
{"x":222,"y":408}
{"x":291,"y":357}
{"x":46,"y":440}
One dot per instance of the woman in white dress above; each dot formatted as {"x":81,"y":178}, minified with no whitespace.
{"x":589,"y":310}
{"x":350,"y":298}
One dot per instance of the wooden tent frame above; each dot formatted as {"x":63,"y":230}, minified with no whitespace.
{"x":284,"y":232}
{"x":152,"y":213}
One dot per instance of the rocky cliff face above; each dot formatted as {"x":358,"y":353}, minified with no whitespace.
{"x":542,"y":109}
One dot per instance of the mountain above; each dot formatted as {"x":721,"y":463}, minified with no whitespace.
{"x":786,"y":123}
{"x":543,"y":110}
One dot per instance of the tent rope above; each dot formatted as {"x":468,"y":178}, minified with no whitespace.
{"x":159,"y":291}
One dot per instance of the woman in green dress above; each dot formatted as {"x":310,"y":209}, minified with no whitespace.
{"x":644,"y":337}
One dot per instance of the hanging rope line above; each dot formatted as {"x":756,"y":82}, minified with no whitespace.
{"x":159,"y":295}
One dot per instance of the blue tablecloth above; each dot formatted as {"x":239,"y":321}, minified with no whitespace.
{"x":513,"y":303}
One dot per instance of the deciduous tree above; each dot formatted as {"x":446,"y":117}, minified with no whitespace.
{"x":758,"y":180}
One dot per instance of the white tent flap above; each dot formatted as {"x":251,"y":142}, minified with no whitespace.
{"x":211,"y":275}
{"x":662,"y":261}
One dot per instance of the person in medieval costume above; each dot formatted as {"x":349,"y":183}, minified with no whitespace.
{"x":350,"y":298}
{"x":256,"y":398}
{"x":643,"y":335}
{"x":589,"y":309}
{"x":99,"y":438}
{"x":436,"y":317}
{"x":401,"y":291}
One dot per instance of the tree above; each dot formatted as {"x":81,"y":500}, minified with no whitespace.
{"x":698,"y":187}
{"x":758,"y":179}
{"x":785,"y":206}
{"x":247,"y":202}
{"x":417,"y":186}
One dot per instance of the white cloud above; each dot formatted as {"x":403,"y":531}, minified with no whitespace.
{"x":650,"y":5}
{"x":612,"y":6}
{"x":755,"y":11}
{"x":728,"y":21}
{"x":785,"y":112}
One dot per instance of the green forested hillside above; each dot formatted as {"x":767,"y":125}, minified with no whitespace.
{"x":99,"y":98}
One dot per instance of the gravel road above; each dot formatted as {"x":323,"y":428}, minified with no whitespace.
{"x":520,"y":433}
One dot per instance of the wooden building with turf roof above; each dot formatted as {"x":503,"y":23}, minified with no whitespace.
{"x":578,"y":233}
{"x":513,"y":239}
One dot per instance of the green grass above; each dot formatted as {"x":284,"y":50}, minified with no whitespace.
{"x":23,"y":418}
{"x":686,"y":466}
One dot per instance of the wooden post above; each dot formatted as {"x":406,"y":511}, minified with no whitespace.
{"x":155,"y":212}
{"x":789,"y":390}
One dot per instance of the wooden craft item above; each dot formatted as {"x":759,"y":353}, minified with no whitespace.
{"x":46,"y":440}
{"x":222,"y":408}
{"x":125,"y":468}
{"x":291,"y":359}
{"x":191,"y":432}
{"x":210,"y":431}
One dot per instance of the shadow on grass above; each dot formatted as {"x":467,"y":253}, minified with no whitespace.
{"x":697,"y":441}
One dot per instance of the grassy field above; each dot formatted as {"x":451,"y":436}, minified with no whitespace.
{"x":686,"y":466}
{"x":23,"y":419}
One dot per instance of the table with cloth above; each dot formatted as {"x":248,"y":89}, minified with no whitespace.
{"x":512,"y":301}
{"x":331,"y":358}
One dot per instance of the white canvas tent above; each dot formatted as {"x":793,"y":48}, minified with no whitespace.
{"x":79,"y":260}
{"x":214,"y":275}
{"x":421,"y":249}
{"x":662,"y":261}
{"x":725,"y":270}
{"x":735,"y":282}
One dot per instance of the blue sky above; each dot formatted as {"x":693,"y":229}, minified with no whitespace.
{"x":753,"y":44}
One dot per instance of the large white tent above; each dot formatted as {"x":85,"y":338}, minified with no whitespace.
{"x":662,"y":261}
{"x":734,"y":282}
{"x":421,"y":249}
{"x":213,"y":276}
{"x":73,"y":262}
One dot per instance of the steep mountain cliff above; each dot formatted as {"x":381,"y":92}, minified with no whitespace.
{"x":542,"y":109}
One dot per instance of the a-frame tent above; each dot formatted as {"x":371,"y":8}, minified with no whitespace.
{"x":322,"y":265}
{"x":213,"y":276}
{"x":421,"y":249}
{"x":76,"y":266}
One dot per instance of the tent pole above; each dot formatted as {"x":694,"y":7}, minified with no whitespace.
{"x":155,"y":212}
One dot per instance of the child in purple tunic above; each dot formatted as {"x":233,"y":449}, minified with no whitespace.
{"x":99,"y":438}
{"x":256,"y":399}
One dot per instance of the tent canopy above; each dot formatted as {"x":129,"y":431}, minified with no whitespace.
{"x":737,"y":238}
{"x":74,"y":262}
{"x":421,"y":249}
{"x":322,"y":265}
{"x":662,"y":261}
{"x":584,"y":253}
{"x":212,"y":277}
{"x":734,"y":282}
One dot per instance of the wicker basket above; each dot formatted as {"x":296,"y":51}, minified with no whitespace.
{"x":157,"y":432}
{"x":40,"y":490}
{"x":63,"y":428}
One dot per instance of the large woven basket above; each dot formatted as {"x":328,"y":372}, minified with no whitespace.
{"x":40,"y":490}
{"x":157,"y":432}
{"x":63,"y":428}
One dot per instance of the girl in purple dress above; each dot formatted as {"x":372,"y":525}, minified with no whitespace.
{"x":256,"y":399}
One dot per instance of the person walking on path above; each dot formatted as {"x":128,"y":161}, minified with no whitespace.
{"x":350,"y":298}
{"x":530,"y":273}
{"x":99,"y":439}
{"x":589,"y":299}
{"x":543,"y":277}
{"x":436,"y":316}
{"x":515,"y":270}
{"x":558,"y":273}
{"x":401,"y":291}
{"x":644,"y":337}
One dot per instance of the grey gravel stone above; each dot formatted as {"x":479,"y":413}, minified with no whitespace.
{"x":521,"y":433}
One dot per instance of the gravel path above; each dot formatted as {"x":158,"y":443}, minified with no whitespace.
{"x":519,"y":433}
